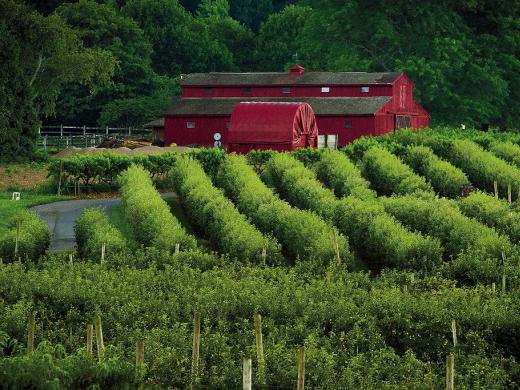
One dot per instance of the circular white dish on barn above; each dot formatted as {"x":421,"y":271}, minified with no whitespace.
{"x":217,"y":144}
{"x":217,"y":136}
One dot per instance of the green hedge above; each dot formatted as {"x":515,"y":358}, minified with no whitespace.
{"x":389,"y":175}
{"x":507,"y":151}
{"x":443,"y":220}
{"x":338,"y":173}
{"x":218,"y":218}
{"x":148,"y":215}
{"x":92,"y":230}
{"x":381,"y":240}
{"x":492,"y":212}
{"x":483,"y":167}
{"x":446,"y":179}
{"x":301,"y":233}
{"x":299,"y":186}
{"x":33,"y":234}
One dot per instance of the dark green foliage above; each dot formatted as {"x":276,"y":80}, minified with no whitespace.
{"x":210,"y":159}
{"x":32,"y":235}
{"x":308,"y":156}
{"x":218,"y":218}
{"x":443,"y":220}
{"x":381,"y":240}
{"x":507,"y":151}
{"x":259,"y":158}
{"x":302,"y":234}
{"x":148,"y":215}
{"x":338,"y":173}
{"x":492,"y":212}
{"x":446,"y":179}
{"x":389,"y":175}
{"x":93,"y":230}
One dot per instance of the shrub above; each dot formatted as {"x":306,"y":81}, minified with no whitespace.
{"x":389,"y":175}
{"x":33,"y":237}
{"x":301,"y":233}
{"x":93,"y":229}
{"x":507,"y":151}
{"x":308,"y":156}
{"x":338,"y":173}
{"x":482,"y":167}
{"x":443,"y":220}
{"x":259,"y":158}
{"x":210,"y":159}
{"x":492,"y":212}
{"x":218,"y":218}
{"x":148,"y":215}
{"x":446,"y":179}
{"x":381,"y":240}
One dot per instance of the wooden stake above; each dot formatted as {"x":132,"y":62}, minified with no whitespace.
{"x":139,"y":353}
{"x":70,"y":259}
{"x":196,"y":350}
{"x":31,"y":330}
{"x":103,"y":247}
{"x":264,"y":256}
{"x":336,"y":247}
{"x":493,"y":287}
{"x":495,"y":187}
{"x":450,"y":372}
{"x":246,"y":376}
{"x":301,"y":369}
{"x":509,"y":193}
{"x":90,"y":338}
{"x":454,"y":332}
{"x":504,"y":283}
{"x":260,"y":349}
{"x":99,"y":337}
{"x":177,"y":248}
{"x":59,"y":179}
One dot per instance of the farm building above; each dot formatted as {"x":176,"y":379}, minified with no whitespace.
{"x":347,"y":105}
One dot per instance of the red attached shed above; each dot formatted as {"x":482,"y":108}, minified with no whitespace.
{"x":271,"y":125}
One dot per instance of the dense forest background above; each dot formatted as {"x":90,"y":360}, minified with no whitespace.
{"x":117,"y":62}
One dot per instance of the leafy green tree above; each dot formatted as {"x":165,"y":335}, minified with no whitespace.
{"x":40,"y":56}
{"x":217,"y":8}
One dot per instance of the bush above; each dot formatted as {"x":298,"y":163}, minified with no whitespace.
{"x":443,"y":220}
{"x":308,"y":156}
{"x":33,"y":234}
{"x":482,"y":167}
{"x":210,"y":159}
{"x":507,"y":151}
{"x":208,"y":208}
{"x":492,"y":212}
{"x":301,"y":233}
{"x":148,"y":215}
{"x":389,"y":175}
{"x":381,"y":240}
{"x":259,"y":158}
{"x":338,"y":173}
{"x":446,"y":179}
{"x":93,"y":229}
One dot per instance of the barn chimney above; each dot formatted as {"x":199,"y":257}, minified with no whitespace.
{"x":297,"y":70}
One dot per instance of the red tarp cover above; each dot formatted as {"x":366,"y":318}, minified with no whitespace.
{"x":271,"y":123}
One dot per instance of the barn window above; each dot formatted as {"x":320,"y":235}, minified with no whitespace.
{"x":208,"y":90}
{"x":327,"y":141}
{"x":365,"y":89}
{"x":348,"y":124}
{"x":247,"y":89}
{"x":325,"y":89}
{"x":190,"y":125}
{"x":286,"y":90}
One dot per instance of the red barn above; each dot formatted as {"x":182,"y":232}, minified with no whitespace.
{"x":347,"y":105}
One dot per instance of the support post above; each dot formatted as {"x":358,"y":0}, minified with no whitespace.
{"x":71,"y":257}
{"x":106,"y":129}
{"x":450,"y":372}
{"x":31,"y":330}
{"x":61,"y":131}
{"x":509,"y":194}
{"x":139,"y":353}
{"x":301,"y":369}
{"x":99,"y":337}
{"x":495,"y":187}
{"x":103,"y":248}
{"x":503,"y":283}
{"x":454,"y":332}
{"x":177,"y":248}
{"x":260,"y":349}
{"x":336,"y":246}
{"x":196,"y":351}
{"x":264,"y":256}
{"x":246,"y":376}
{"x":90,"y":338}
{"x":84,"y":130}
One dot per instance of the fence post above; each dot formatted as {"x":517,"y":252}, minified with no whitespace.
{"x":336,"y":247}
{"x":259,"y":348}
{"x":246,"y":376}
{"x":84,"y":130}
{"x":103,"y":247}
{"x":31,"y":330}
{"x":454,"y":332}
{"x":301,"y":368}
{"x":264,"y":256}
{"x":509,"y":193}
{"x":139,"y":353}
{"x":107,"y":130}
{"x":61,"y":131}
{"x":495,"y":187}
{"x":177,"y":248}
{"x":90,"y":338}
{"x":196,"y":350}
{"x":99,"y":337}
{"x":450,"y":372}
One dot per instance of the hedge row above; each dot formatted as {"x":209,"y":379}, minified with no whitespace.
{"x":492,"y":212}
{"x":299,"y":186}
{"x":303,"y":234}
{"x":507,"y":151}
{"x":338,"y":173}
{"x":443,"y":220}
{"x":381,"y":240}
{"x":218,"y":218}
{"x":148,"y":215}
{"x":33,"y":235}
{"x":389,"y":175}
{"x":93,"y":230}
{"x":104,"y":168}
{"x":483,"y":167}
{"x":446,"y":179}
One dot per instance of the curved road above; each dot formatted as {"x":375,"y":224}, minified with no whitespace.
{"x":61,"y":216}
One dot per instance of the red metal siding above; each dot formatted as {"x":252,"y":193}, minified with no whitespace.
{"x":361,"y":125}
{"x":175,"y":130}
{"x":296,"y":91}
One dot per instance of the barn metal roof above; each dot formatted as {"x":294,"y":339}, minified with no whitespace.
{"x":321,"y":106}
{"x":283,"y":78}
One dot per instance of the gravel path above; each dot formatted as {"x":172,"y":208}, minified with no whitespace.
{"x":61,"y":216}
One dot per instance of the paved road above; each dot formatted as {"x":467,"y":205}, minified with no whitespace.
{"x":61,"y":216}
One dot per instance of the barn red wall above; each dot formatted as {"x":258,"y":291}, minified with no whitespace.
{"x":175,"y":130}
{"x":361,"y":125}
{"x":296,"y":91}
